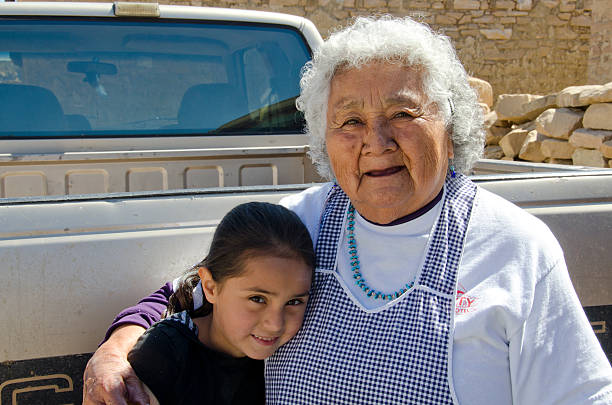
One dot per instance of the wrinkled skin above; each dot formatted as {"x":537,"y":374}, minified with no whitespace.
{"x":386,"y":141}
{"x":109,"y":379}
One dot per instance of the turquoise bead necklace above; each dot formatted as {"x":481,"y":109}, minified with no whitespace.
{"x":355,"y":267}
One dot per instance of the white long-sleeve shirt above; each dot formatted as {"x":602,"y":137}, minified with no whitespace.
{"x":521,"y":336}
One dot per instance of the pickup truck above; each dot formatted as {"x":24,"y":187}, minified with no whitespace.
{"x":103,"y":98}
{"x":78,"y":247}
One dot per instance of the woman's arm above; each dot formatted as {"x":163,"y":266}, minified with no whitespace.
{"x":555,"y":357}
{"x":108,"y":377}
{"x":144,"y":314}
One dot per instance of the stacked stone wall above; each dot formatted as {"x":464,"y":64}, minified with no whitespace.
{"x":572,"y":127}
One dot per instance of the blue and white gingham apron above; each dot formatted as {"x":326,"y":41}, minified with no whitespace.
{"x":401,"y":354}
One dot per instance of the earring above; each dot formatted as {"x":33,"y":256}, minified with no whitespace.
{"x":451,"y":168}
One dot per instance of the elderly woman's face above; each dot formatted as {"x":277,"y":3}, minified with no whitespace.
{"x":386,"y":141}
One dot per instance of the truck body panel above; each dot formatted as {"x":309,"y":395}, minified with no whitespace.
{"x":84,"y":258}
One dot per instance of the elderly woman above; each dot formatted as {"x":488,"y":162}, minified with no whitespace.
{"x":428,"y":289}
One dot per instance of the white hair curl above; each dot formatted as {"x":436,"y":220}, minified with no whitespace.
{"x":400,"y":41}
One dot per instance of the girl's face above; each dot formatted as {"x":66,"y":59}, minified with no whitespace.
{"x":260,"y":310}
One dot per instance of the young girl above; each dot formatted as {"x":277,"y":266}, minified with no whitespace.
{"x":254,"y":284}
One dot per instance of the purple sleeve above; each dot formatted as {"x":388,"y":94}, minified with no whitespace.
{"x":148,"y":311}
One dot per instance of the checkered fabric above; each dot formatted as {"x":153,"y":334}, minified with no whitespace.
{"x":332,"y":220}
{"x":399,"y":355}
{"x":184,"y":318}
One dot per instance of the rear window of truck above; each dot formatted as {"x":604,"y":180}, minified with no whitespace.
{"x":101,"y":78}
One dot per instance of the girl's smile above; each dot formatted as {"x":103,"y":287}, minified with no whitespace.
{"x":265,"y":341}
{"x":260,"y":310}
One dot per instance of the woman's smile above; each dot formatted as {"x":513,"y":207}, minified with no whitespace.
{"x":385,"y":172}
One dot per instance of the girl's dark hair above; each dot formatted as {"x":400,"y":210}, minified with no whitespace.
{"x":249,"y":230}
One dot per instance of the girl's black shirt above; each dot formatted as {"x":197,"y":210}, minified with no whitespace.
{"x":180,"y":370}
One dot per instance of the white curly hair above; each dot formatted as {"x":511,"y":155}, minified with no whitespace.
{"x":400,"y":41}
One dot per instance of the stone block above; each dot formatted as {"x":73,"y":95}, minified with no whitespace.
{"x":581,"y":21}
{"x":566,"y":6}
{"x":466,"y":4}
{"x":504,"y":4}
{"x":557,"y":148}
{"x":341,"y":14}
{"x":563,"y":32}
{"x":554,"y":21}
{"x":555,"y":161}
{"x":542,"y":103}
{"x":483,"y":89}
{"x":589,"y":138}
{"x":494,"y":134}
{"x":513,"y":141}
{"x":497,"y":33}
{"x":445,"y":19}
{"x":528,"y":44}
{"x":527,"y":126}
{"x":493,"y":152}
{"x":369,"y":4}
{"x":469,"y":33}
{"x":576,"y":96}
{"x":485,"y":19}
{"x":524,"y":5}
{"x":532,"y":147}
{"x":492,"y":120}
{"x":606,"y":149}
{"x":598,"y":116}
{"x":559,"y":122}
{"x":520,"y":108}
{"x":589,"y":157}
{"x":550,"y":3}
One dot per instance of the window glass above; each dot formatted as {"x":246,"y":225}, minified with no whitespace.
{"x":124,"y":78}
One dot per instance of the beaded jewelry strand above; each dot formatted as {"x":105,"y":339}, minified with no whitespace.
{"x":355,"y":267}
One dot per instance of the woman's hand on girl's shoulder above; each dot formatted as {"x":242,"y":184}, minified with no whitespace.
{"x":108,"y":377}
